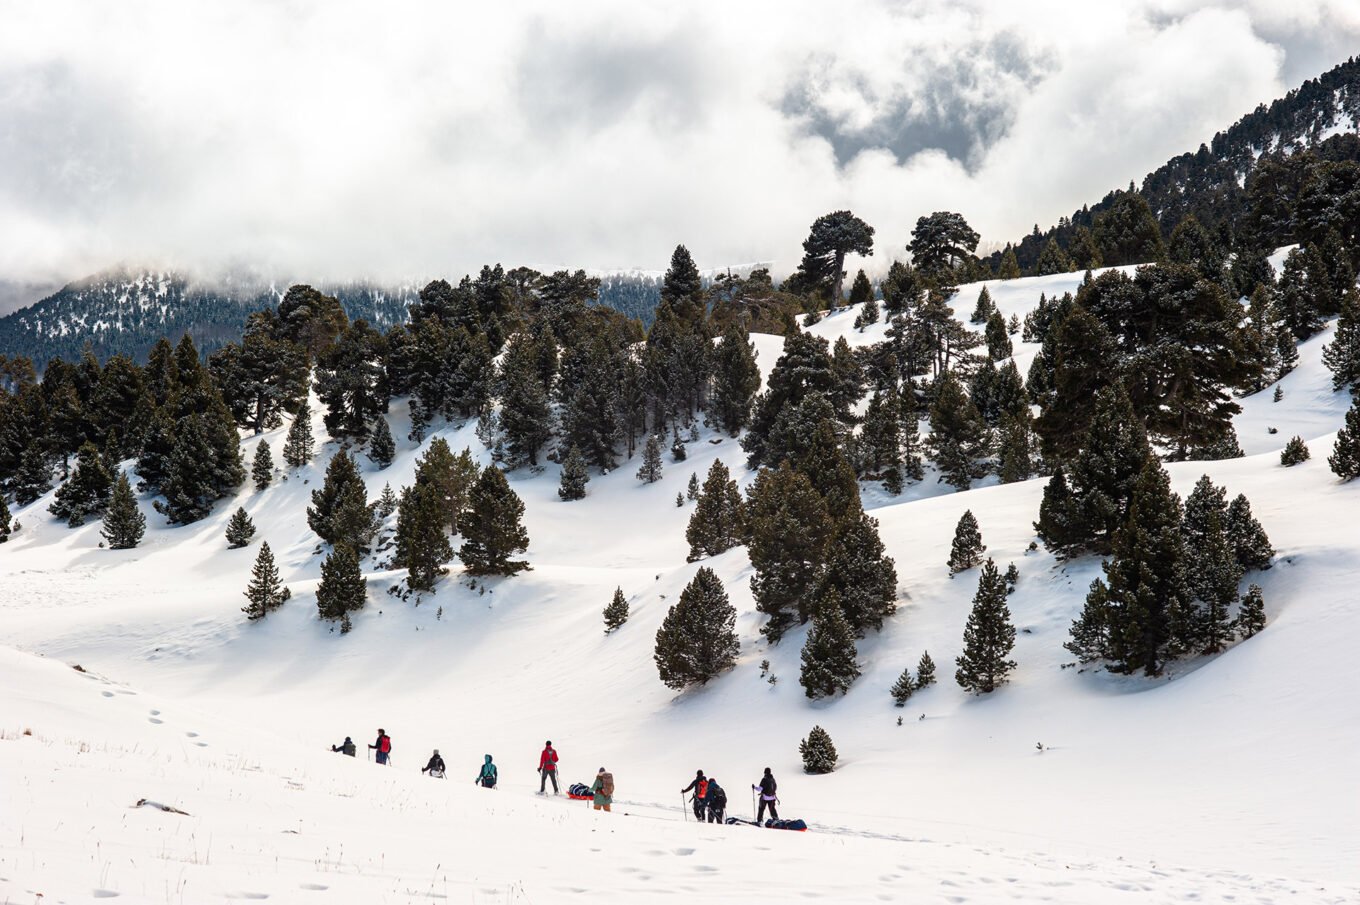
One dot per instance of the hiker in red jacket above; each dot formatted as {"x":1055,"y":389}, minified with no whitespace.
{"x":383,"y":746}
{"x":547,"y":768}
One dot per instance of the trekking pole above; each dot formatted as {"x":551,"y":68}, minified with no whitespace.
{"x":684,"y":810}
{"x":755,"y":815}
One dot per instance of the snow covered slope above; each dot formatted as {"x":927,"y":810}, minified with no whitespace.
{"x":1233,"y":777}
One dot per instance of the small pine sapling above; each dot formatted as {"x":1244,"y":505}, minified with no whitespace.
{"x":679,"y":501}
{"x":819,"y":754}
{"x":265,"y":593}
{"x":903,"y":688}
{"x":1295,"y":451}
{"x":1251,"y":615}
{"x":262,"y":467}
{"x":925,"y":672}
{"x":1278,"y":394}
{"x":616,"y":613}
{"x":678,"y":447}
{"x":240,"y":529}
{"x":650,"y":472}
{"x":387,"y":503}
{"x":575,"y":476}
{"x":1012,"y":578}
{"x":966,"y":551}
{"x":692,"y":489}
{"x":124,"y":523}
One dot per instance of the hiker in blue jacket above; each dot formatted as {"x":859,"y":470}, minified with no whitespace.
{"x":486,"y":777}
{"x":768,"y":787}
{"x":715,"y":802}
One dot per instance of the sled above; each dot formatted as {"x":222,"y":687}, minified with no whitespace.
{"x":580,"y":792}
{"x":798,"y":826}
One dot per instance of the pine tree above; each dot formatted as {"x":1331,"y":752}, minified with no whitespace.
{"x":240,"y":529}
{"x":679,"y":501}
{"x":342,"y":589}
{"x":1345,"y":457}
{"x":1010,"y":267}
{"x":1053,"y":260}
{"x":382,"y":449}
{"x":1015,"y":448}
{"x":574,"y":476}
{"x":1212,"y":573}
{"x":828,"y":658}
{"x":1247,"y":537}
{"x":719,"y":520}
{"x":999,"y":345}
{"x":864,"y":577}
{"x":297,"y":449}
{"x":1089,"y":635}
{"x":989,"y":636}
{"x":1147,"y":587}
{"x":697,"y":639}
{"x":124,"y":523}
{"x":616,"y":613}
{"x":422,"y":540}
{"x":1012,"y":578}
{"x":492,"y":529}
{"x":1342,"y":354}
{"x":678,"y":452}
{"x":188,"y":485}
{"x":903,"y":688}
{"x":6,"y":520}
{"x":262,"y":467}
{"x":736,"y":379}
{"x":34,"y":477}
{"x":525,"y":416}
{"x":692,"y":488}
{"x":387,"y":502}
{"x":451,"y":476}
{"x":862,"y":293}
{"x":339,"y":513}
{"x":984,"y":308}
{"x":650,"y":472}
{"x":86,"y":491}
{"x":1294,"y":452}
{"x":1251,"y":615}
{"x":789,"y":533}
{"x":959,"y":441}
{"x":925,"y":671}
{"x":1059,"y":526}
{"x":966,"y":551}
{"x":819,"y":754}
{"x":1104,"y":472}
{"x":265,"y":592}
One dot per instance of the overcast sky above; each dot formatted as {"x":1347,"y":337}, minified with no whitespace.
{"x":328,"y":140}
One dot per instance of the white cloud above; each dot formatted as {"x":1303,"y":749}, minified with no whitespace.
{"x":325,"y":140}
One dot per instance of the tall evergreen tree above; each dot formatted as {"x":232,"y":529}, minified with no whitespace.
{"x":959,"y":441}
{"x":1010,"y":267}
{"x":382,"y":449}
{"x":124,"y":523}
{"x":736,"y":379}
{"x":862,"y":574}
{"x":351,"y":381}
{"x":1083,"y":353}
{"x":1300,"y":295}
{"x":339,"y":513}
{"x":1052,"y":260}
{"x":1015,"y":448}
{"x":1212,"y":572}
{"x":880,"y":441}
{"x":451,"y":476}
{"x":940,"y":244}
{"x":266,"y":592}
{"x":1059,"y":526}
{"x":342,"y":589}
{"x":188,"y":486}
{"x":828,"y":657}
{"x":862,"y":293}
{"x":650,"y":472}
{"x":422,"y":540}
{"x":967,"y":548}
{"x":832,"y":237}
{"x":262,"y":467}
{"x":1102,"y":476}
{"x":86,"y":491}
{"x":616,"y":613}
{"x":1342,"y":354}
{"x":789,"y":533}
{"x":240,"y":529}
{"x":719,"y":520}
{"x":6,"y":520}
{"x":1247,"y":537}
{"x":999,"y":345}
{"x":1345,"y":457}
{"x":574,"y":476}
{"x":525,"y":415}
{"x":1147,"y":586}
{"x":989,"y":636}
{"x":984,"y":308}
{"x":803,"y":369}
{"x":492,"y":529}
{"x":697,"y":639}
{"x":297,"y":449}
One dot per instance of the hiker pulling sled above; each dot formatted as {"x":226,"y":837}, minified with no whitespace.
{"x":435,"y":767}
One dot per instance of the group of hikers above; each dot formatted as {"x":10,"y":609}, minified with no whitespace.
{"x":709,"y":800}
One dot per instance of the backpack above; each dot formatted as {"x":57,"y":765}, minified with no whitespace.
{"x":607,"y":784}
{"x":385,"y":746}
{"x":551,"y":763}
{"x":489,"y":772}
{"x":701,"y":789}
{"x":717,"y":798}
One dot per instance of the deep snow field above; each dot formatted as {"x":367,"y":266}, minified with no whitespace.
{"x":1232,"y":779}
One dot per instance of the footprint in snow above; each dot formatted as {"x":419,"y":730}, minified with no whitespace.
{"x":155,"y":713}
{"x":192,"y":734}
{"x":107,"y":694}
{"x":683,"y":852}
{"x":103,"y":894}
{"x":201,"y":744}
{"x":247,"y":895}
{"x":314,"y":887}
{"x":155,"y":720}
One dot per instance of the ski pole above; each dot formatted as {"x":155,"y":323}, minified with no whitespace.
{"x":755,"y":815}
{"x":684,"y":815}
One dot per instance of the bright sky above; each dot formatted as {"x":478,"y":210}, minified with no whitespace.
{"x":334,"y":140}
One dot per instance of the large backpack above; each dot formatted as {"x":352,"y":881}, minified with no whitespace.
{"x":385,"y":745}
{"x":701,"y":789}
{"x":717,"y":798}
{"x":607,"y":784}
{"x":551,"y":763}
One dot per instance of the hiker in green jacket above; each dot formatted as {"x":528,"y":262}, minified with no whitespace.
{"x":486,"y":777}
{"x":603,"y":788}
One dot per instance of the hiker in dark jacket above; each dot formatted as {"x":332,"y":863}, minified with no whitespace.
{"x":346,"y":748}
{"x":436,"y":765}
{"x":768,"y":787}
{"x":547,"y":768}
{"x":603,"y":790}
{"x":715,"y":802}
{"x":486,"y":776}
{"x":383,"y":746}
{"x":700,"y":787}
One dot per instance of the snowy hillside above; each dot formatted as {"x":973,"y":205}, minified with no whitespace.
{"x":1231,"y":778}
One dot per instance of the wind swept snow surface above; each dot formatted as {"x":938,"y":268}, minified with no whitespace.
{"x":1233,"y":778}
